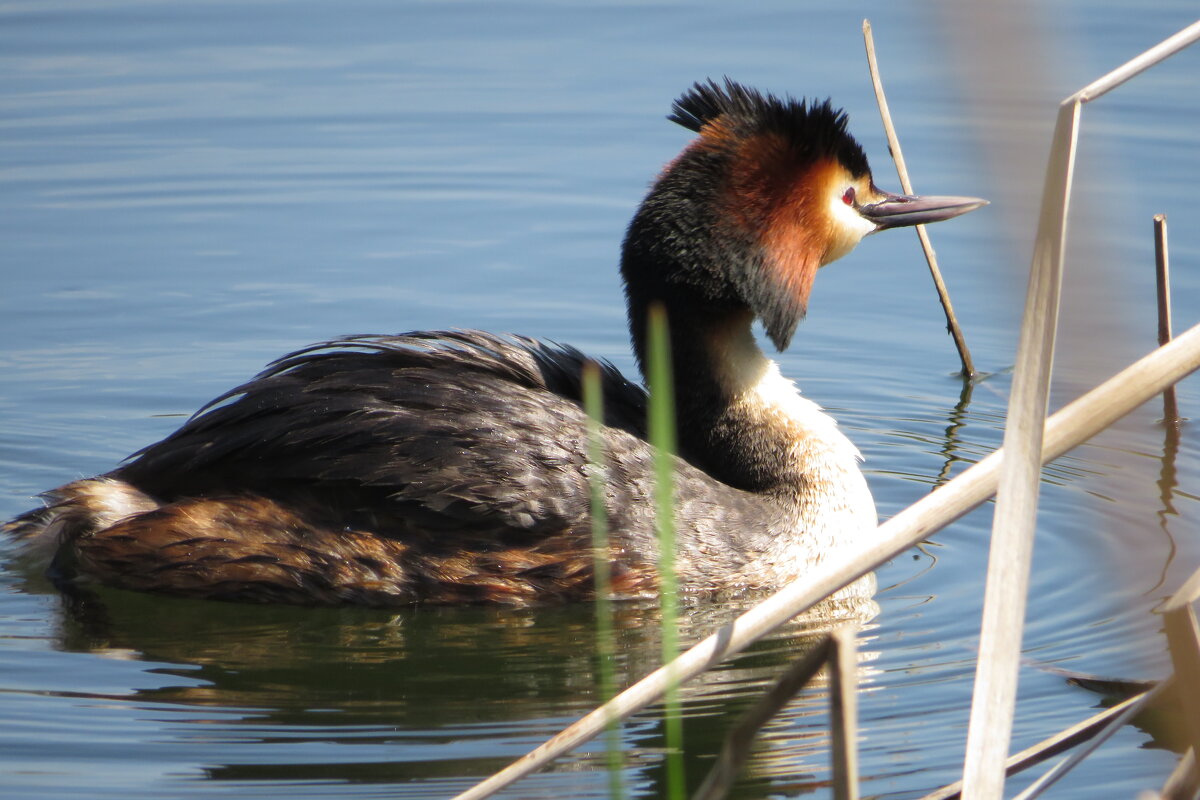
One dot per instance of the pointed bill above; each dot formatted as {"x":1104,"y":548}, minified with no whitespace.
{"x":897,"y":210}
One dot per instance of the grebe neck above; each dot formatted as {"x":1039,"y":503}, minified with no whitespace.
{"x":745,"y":424}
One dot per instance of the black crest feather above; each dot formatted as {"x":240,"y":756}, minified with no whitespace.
{"x":816,"y":126}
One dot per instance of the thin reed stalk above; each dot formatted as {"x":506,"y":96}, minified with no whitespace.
{"x":1183,"y":783}
{"x":1188,"y":593}
{"x":1183,"y":642}
{"x":843,"y":713}
{"x":738,"y":744}
{"x":1162,"y":285}
{"x":838,"y":652}
{"x":1015,"y":518}
{"x":593,"y":403}
{"x":952,"y":326}
{"x":994,"y":699}
{"x":1073,"y":425}
{"x":1048,"y":748}
{"x":662,"y":438}
{"x":1055,"y":773}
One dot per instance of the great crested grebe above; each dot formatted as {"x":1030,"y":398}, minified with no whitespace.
{"x":450,"y":466}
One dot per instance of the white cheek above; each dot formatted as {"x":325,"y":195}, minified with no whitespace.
{"x":849,"y":227}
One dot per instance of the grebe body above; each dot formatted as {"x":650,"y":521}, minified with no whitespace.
{"x":451,"y":466}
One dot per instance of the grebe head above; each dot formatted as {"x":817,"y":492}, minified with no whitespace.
{"x":770,"y":191}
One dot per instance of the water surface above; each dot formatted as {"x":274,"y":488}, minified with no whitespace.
{"x":190,"y":190}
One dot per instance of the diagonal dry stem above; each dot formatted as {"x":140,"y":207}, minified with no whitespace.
{"x":1131,"y":708}
{"x":736,"y":750}
{"x":837,"y":651}
{"x":960,"y":342}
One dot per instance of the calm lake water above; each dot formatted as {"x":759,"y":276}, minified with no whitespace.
{"x":191,"y":189}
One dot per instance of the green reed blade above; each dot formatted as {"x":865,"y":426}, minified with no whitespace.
{"x":662,"y":438}
{"x":593,"y":403}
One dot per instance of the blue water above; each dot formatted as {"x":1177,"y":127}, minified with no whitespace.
{"x":188,"y":190}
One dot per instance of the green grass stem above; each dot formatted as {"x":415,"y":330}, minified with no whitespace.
{"x":593,"y":402}
{"x":662,"y":438}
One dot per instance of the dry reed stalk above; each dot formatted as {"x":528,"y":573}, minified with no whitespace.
{"x":843,"y":713}
{"x":1051,"y":776}
{"x":836,"y":650}
{"x":1015,"y":517}
{"x":736,"y":750}
{"x":952,"y":327}
{"x":1188,"y":593}
{"x":994,"y":699}
{"x":1162,"y":283}
{"x":1071,"y":426}
{"x":1183,"y":642}
{"x":1183,"y":783}
{"x":1047,"y":748}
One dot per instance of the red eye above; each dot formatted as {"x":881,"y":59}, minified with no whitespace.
{"x":848,"y":197}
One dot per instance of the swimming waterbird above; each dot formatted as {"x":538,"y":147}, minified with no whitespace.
{"x":451,"y":466}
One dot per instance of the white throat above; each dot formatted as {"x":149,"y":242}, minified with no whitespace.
{"x":753,"y":379}
{"x":836,"y":509}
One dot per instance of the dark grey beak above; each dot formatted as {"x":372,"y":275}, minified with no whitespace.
{"x":897,"y":210}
